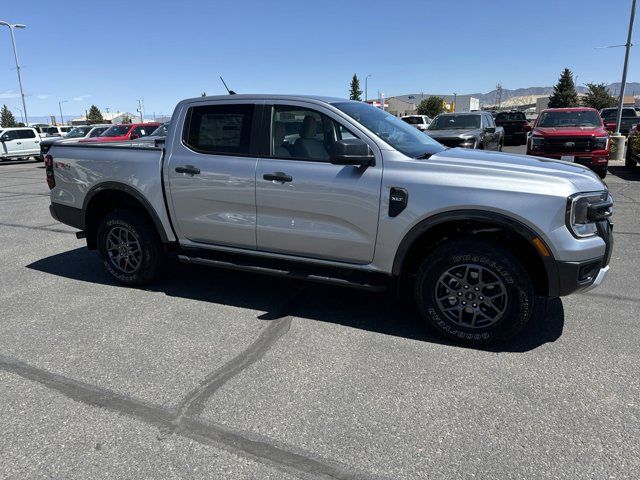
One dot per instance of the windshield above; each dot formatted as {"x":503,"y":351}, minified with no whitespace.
{"x":50,"y":130}
{"x":613,"y":112}
{"x":400,"y":135}
{"x":585,"y":118}
{"x":446,"y":122}
{"x":161,"y":131}
{"x":116,"y":131}
{"x":78,"y":132}
{"x":413,"y":120}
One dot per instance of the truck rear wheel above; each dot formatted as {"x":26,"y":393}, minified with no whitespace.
{"x":131,"y":249}
{"x":474,"y":292}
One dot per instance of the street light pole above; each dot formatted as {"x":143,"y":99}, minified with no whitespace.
{"x":618,"y":140}
{"x":15,"y":55}
{"x":624,"y":69}
{"x":366,"y":89}
{"x":60,"y":107}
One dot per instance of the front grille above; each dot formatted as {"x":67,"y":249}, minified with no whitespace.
{"x":451,"y":142}
{"x":569,"y":144}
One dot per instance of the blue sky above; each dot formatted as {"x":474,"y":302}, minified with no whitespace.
{"x":111,"y":53}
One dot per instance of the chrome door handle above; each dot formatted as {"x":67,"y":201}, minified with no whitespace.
{"x":278,"y":177}
{"x":190,"y":169}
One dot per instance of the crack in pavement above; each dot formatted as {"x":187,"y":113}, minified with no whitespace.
{"x":183,"y":421}
{"x":193,"y":403}
{"x":206,"y":433}
{"x":43,"y":227}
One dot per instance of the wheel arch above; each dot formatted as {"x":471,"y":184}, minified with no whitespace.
{"x":108,"y":196}
{"x":509,"y":232}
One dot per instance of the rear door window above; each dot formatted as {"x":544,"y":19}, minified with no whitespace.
{"x":219,"y":129}
{"x":26,"y":134}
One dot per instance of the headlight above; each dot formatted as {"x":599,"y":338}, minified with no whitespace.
{"x":602,"y":143}
{"x":585,"y":209}
{"x":537,"y":143}
{"x":468,"y":141}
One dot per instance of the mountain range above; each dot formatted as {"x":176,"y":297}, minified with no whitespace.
{"x":490,"y":98}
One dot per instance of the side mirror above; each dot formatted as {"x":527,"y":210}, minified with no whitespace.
{"x":4,"y":138}
{"x":351,"y":151}
{"x":490,"y":129}
{"x":527,"y":127}
{"x":133,"y":136}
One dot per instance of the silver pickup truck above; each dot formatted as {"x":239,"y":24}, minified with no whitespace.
{"x":340,"y":192}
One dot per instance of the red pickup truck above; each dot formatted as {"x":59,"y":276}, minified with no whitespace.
{"x":571,"y":134}
{"x":124,"y":132}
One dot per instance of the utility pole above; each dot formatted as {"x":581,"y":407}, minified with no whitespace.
{"x":366,"y":87}
{"x":60,"y":107}
{"x":455,"y":97}
{"x":15,"y":55}
{"x":141,"y":109}
{"x":617,"y":139}
{"x":499,"y":95}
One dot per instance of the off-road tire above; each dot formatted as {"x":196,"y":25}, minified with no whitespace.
{"x":143,"y":262}
{"x":493,"y":262}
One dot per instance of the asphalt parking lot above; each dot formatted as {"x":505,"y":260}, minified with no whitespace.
{"x":213,"y":374}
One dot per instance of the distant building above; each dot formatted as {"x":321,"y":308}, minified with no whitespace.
{"x":401,"y":105}
{"x":111,"y":117}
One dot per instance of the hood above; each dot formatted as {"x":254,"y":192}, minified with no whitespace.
{"x":50,"y":140}
{"x":453,"y":133}
{"x":118,"y":138}
{"x":509,"y":165}
{"x":569,"y":131}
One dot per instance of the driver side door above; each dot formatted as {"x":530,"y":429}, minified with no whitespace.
{"x":307,"y":206}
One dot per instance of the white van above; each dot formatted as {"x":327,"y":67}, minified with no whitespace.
{"x":21,"y":142}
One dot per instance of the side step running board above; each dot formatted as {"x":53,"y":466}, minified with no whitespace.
{"x":298,"y":275}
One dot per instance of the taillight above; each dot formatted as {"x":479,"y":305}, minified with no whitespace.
{"x":48,"y":168}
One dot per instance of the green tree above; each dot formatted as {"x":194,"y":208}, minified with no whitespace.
{"x":126,"y":119}
{"x":598,"y":96}
{"x":94,"y":115}
{"x":431,"y":106}
{"x":355,"y":93}
{"x":203,"y":94}
{"x":564,"y":92}
{"x":6,"y":117}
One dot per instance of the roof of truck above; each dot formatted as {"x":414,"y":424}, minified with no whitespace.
{"x":264,"y":96}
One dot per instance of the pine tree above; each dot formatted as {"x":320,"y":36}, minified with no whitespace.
{"x":598,"y":96}
{"x":355,"y":93}
{"x":564,"y":92}
{"x":6,"y":118}
{"x":94,"y":115}
{"x":431,"y":106}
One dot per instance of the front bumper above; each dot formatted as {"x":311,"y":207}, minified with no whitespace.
{"x":586,"y":275}
{"x":588,"y":159}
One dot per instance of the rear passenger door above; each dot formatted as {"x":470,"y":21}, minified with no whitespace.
{"x":30,"y":141}
{"x":307,"y":206}
{"x":211,"y":174}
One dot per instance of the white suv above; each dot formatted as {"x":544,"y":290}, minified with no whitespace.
{"x":421,"y":122}
{"x":21,"y":142}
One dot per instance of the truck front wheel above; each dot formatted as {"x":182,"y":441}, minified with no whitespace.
{"x":473,"y":291}
{"x":131,"y":249}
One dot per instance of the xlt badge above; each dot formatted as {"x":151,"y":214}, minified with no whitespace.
{"x":398,"y":198}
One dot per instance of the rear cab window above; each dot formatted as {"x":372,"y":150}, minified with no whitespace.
{"x":222,"y":129}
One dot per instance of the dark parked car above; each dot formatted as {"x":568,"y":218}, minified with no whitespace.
{"x":467,"y":130}
{"x":633,"y":148}
{"x":516,"y":127}
{"x":629,"y":119}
